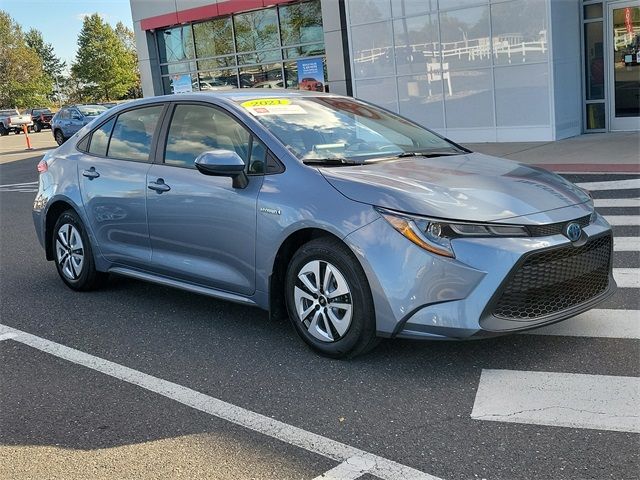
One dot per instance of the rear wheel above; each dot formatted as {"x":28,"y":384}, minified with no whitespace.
{"x":3,"y":130}
{"x":59,"y":136}
{"x":329,"y":300}
{"x":37,"y":127}
{"x":73,"y":254}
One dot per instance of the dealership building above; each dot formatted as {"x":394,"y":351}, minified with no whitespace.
{"x":473,"y":70}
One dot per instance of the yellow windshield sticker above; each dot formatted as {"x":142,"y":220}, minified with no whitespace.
{"x":266,"y":102}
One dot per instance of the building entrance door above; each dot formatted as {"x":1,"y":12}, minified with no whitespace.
{"x":624,"y":65}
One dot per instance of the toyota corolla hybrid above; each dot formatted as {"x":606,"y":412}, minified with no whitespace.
{"x":355,"y":222}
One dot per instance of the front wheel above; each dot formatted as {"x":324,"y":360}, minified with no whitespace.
{"x":329,"y":300}
{"x":73,"y":254}
{"x":37,"y":127}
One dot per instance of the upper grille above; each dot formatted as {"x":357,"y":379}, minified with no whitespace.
{"x":555,"y":228}
{"x":555,"y":280}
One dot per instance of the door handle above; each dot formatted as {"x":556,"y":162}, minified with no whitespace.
{"x":159,"y":186}
{"x":91,"y":173}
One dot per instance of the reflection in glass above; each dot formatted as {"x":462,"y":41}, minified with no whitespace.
{"x":404,"y":8}
{"x":213,"y":38}
{"x":260,"y":57}
{"x":178,"y":68}
{"x":416,"y":43}
{"x":372,"y":50}
{"x":626,"y":61}
{"x":362,"y":11}
{"x":519,"y":32}
{"x":219,"y":80}
{"x":256,"y":30}
{"x":132,"y":134}
{"x":522,"y":85}
{"x":261,"y":76}
{"x":465,"y":37}
{"x":100,"y":139}
{"x":470,"y":103}
{"x":596,"y":116}
{"x":381,"y":91}
{"x":421,"y":99}
{"x":291,"y":74}
{"x":175,"y":44}
{"x":594,"y":59}
{"x":301,"y":23}
{"x":593,"y":11}
{"x":221,"y":62}
{"x":314,"y":50}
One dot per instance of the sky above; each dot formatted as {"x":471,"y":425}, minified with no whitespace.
{"x":60,"y":21}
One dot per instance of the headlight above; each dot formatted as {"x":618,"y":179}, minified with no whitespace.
{"x":435,"y":235}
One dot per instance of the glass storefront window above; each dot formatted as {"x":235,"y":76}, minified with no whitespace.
{"x":593,"y":11}
{"x":416,"y":43}
{"x":178,"y":68}
{"x":259,"y":57}
{"x":176,"y":44}
{"x":594,"y":61}
{"x":215,"y":63}
{"x":465,"y":38}
{"x":314,"y":50}
{"x":256,"y":30}
{"x":219,"y":79}
{"x":261,"y":76}
{"x":214,"y":38}
{"x":301,"y":23}
{"x":519,"y":32}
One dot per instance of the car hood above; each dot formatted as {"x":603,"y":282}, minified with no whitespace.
{"x":472,"y":187}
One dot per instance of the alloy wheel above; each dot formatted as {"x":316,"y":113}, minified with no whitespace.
{"x":70,"y":251}
{"x":323,"y":301}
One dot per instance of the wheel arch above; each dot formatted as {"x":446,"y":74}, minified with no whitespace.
{"x":54,"y":211}
{"x":277,"y":307}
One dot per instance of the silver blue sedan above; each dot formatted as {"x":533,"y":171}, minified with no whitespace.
{"x":356,"y":223}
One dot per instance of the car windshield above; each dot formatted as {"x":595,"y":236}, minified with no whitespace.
{"x":343,"y":130}
{"x":8,"y":112}
{"x":43,"y":110}
{"x":91,"y":110}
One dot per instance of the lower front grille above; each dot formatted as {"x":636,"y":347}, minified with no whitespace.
{"x":555,"y":280}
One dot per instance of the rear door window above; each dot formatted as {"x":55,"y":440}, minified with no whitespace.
{"x":132,"y":134}
{"x":196,"y":129}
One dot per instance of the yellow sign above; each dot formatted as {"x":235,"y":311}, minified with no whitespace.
{"x":266,"y":102}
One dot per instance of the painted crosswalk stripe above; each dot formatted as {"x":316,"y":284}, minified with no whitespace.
{"x":312,"y":442}
{"x":616,"y":202}
{"x":622,"y":220}
{"x":611,"y":184}
{"x":596,"y":323}
{"x":626,"y":244}
{"x":600,"y":402}
{"x":627,"y":277}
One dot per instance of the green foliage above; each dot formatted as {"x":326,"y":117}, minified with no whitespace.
{"x":24,"y":82}
{"x":51,"y":64}
{"x":106,"y":63}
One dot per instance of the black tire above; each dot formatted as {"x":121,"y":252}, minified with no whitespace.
{"x":360,"y":337}
{"x":37,"y":127}
{"x":3,"y":130}
{"x":86,"y":277}
{"x":59,"y":137}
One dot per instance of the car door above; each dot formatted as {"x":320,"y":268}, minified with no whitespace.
{"x":113,"y":174}
{"x":74,"y":123}
{"x":202,"y":229}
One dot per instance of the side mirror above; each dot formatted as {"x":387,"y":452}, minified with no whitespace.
{"x":75,"y":116}
{"x":223,"y":163}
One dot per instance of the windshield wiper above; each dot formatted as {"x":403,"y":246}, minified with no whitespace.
{"x":429,"y":154}
{"x":334,"y":161}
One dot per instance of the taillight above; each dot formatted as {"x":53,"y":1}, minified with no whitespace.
{"x":42,"y":166}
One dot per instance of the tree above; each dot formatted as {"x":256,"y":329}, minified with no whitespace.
{"x":23,"y":80}
{"x":51,"y":64}
{"x":128,"y":40}
{"x":103,"y":63}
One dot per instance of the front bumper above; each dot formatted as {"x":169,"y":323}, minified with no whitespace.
{"x":420,"y":295}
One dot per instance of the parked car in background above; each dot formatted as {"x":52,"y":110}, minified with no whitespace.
{"x":72,"y":118}
{"x":11,"y":120}
{"x":355,"y":221}
{"x":41,"y":118}
{"x":310,"y":84}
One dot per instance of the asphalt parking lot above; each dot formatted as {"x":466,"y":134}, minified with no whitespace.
{"x":142,"y":381}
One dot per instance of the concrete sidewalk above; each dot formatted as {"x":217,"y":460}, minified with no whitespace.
{"x":617,"y":152}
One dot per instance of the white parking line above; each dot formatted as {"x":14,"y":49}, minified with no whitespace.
{"x":312,"y":442}
{"x":350,"y":469}
{"x":8,"y":336}
{"x":611,"y":185}
{"x":25,"y":184}
{"x":596,"y":323}
{"x":626,"y":244}
{"x":627,"y":277}
{"x":617,"y":202}
{"x":622,"y":220}
{"x":600,"y":402}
